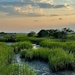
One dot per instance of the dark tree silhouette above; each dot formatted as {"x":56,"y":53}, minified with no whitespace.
{"x":61,"y":34}
{"x":32,"y":33}
{"x":43,"y":33}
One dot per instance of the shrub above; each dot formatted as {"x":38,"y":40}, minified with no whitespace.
{"x":31,"y":34}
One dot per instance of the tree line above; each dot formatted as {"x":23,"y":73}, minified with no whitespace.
{"x":56,"y":33}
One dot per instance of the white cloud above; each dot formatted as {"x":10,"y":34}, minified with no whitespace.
{"x":29,"y":10}
{"x":33,"y":7}
{"x":17,"y":8}
{"x":44,"y":1}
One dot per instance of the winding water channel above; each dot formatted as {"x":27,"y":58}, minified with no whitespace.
{"x":42,"y":68}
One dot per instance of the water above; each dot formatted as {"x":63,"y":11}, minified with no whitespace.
{"x":8,"y":43}
{"x":42,"y":68}
{"x":36,"y":46}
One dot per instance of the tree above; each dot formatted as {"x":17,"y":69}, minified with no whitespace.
{"x":67,"y":30}
{"x":2,"y":32}
{"x":60,"y":34}
{"x":32,"y":33}
{"x":50,"y":32}
{"x":57,"y":33}
{"x":42,"y":33}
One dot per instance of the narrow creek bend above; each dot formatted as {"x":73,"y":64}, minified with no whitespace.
{"x":42,"y":68}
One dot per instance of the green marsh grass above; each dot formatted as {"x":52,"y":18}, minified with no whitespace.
{"x":41,"y":54}
{"x":31,"y":39}
{"x":6,"y":66}
{"x":51,"y":44}
{"x":70,"y":47}
{"x":21,"y":45}
{"x":14,"y":69}
{"x":61,"y":60}
{"x":57,"y":58}
{"x":6,"y":54}
{"x":67,"y":46}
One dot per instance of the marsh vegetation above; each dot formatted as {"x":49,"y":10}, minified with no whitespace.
{"x":57,"y":53}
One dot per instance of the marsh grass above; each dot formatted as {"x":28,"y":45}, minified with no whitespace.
{"x":31,"y":39}
{"x":6,"y":66}
{"x":70,"y":47}
{"x":51,"y":44}
{"x":38,"y":54}
{"x":57,"y":58}
{"x":21,"y":45}
{"x":61,"y":60}
{"x":6,"y":54}
{"x":15,"y":69}
{"x":67,"y":46}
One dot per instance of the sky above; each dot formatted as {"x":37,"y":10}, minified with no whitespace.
{"x":34,"y":15}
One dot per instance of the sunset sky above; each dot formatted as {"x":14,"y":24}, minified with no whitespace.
{"x":34,"y":15}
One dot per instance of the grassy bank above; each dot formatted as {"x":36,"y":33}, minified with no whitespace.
{"x":6,"y":66}
{"x":61,"y":60}
{"x":67,"y":46}
{"x":21,"y":45}
{"x":31,"y":39}
{"x":14,"y":69}
{"x":6,"y":54}
{"x":57,"y":58}
{"x":41,"y":54}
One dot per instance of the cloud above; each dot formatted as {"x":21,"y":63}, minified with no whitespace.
{"x":16,"y":2}
{"x":30,"y":7}
{"x":44,"y":1}
{"x":45,"y":5}
{"x":53,"y":6}
{"x":29,"y":11}
{"x":63,"y":6}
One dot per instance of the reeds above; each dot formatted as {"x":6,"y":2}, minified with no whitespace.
{"x":6,"y":54}
{"x":6,"y":66}
{"x":68,"y":46}
{"x":15,"y":69}
{"x":57,"y":58}
{"x":51,"y":44}
{"x":61,"y":60}
{"x":41,"y":54}
{"x":21,"y":45}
